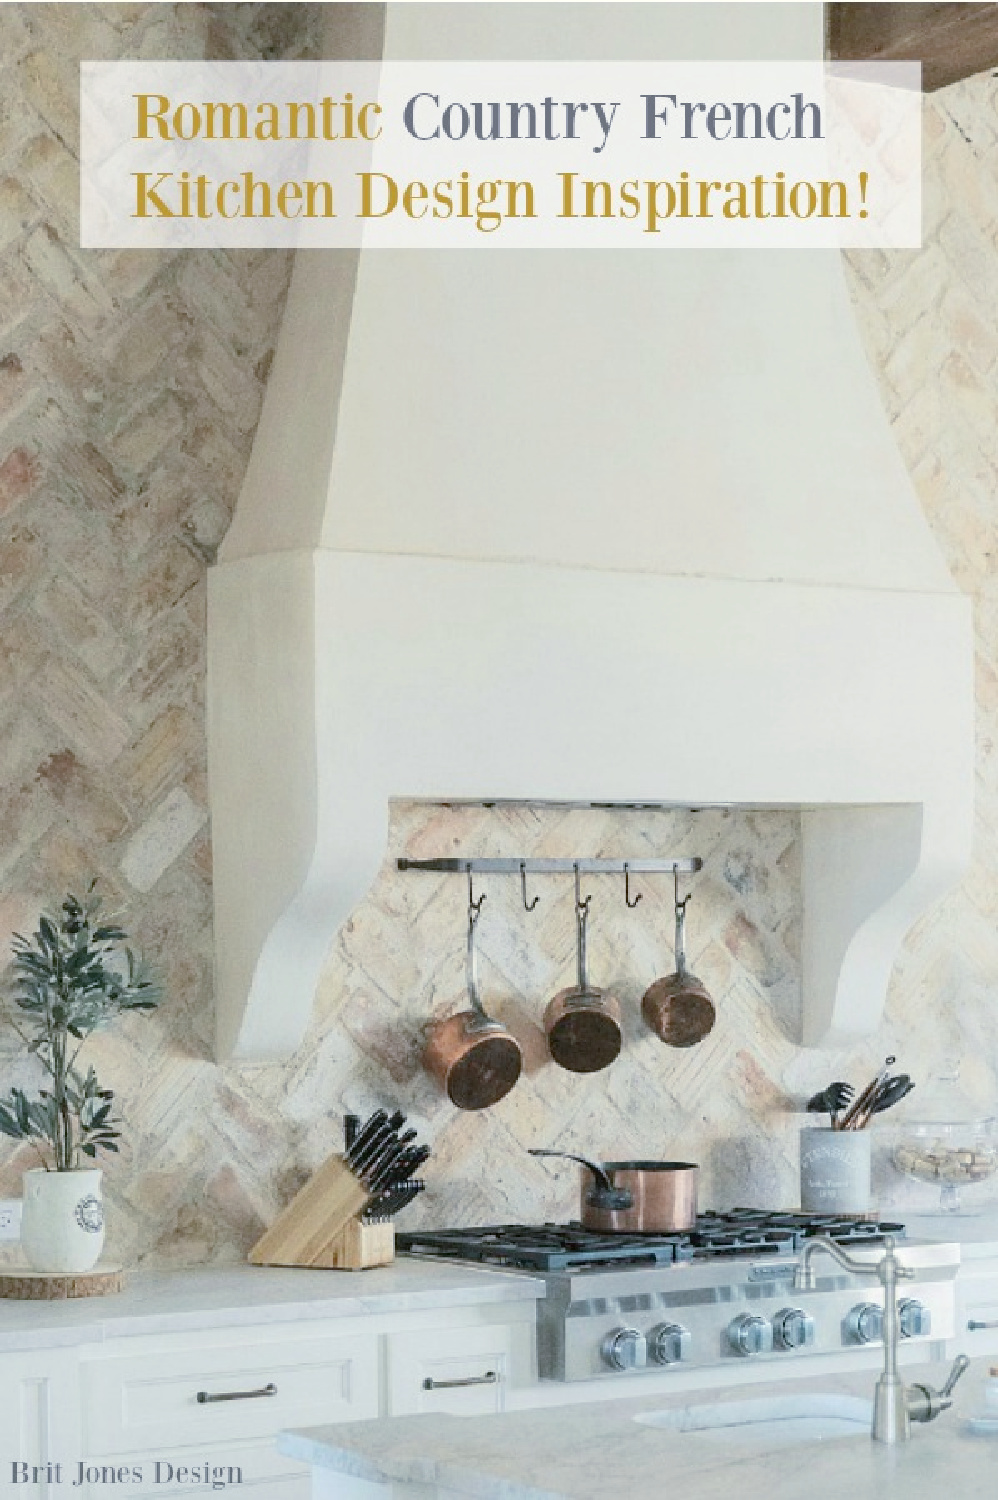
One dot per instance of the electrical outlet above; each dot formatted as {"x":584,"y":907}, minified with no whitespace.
{"x":10,"y":1218}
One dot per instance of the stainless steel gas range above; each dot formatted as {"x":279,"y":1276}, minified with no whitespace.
{"x":724,"y":1292}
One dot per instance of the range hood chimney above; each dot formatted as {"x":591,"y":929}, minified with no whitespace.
{"x":612,"y":527}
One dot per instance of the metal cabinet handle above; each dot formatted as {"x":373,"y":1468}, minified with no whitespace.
{"x":205,"y":1396}
{"x":489,"y":1378}
{"x":974,"y":1324}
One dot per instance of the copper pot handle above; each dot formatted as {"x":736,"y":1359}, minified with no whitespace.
{"x":582,"y":923}
{"x":471,"y":966}
{"x":602,"y":1179}
{"x":681,"y":906}
{"x":605,"y":1195}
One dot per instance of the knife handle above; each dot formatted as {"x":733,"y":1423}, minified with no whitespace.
{"x":365,"y":1135}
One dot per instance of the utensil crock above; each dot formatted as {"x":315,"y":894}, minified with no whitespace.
{"x":834,"y":1170}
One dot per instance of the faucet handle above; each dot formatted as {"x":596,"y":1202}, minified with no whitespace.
{"x":924,"y":1404}
{"x":960,"y":1364}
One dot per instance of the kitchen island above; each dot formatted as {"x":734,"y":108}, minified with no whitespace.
{"x":588,"y":1450}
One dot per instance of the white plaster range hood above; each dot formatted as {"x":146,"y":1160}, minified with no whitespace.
{"x":593,"y":527}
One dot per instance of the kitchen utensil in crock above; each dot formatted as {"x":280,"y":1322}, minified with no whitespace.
{"x":835,"y":1097}
{"x":583,"y":1023}
{"x":475,"y":1060}
{"x":893,"y":1091}
{"x":679,"y":1009}
{"x":662,"y":1194}
{"x":865,"y":1099}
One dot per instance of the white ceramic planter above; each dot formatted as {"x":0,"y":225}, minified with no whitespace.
{"x":62,"y":1219}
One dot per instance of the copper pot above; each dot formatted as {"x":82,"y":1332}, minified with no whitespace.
{"x":583,"y":1023}
{"x":636,"y":1197}
{"x":679,"y":1009}
{"x":663,"y":1194}
{"x":473,"y":1058}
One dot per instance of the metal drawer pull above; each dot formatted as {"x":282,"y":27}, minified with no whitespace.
{"x":489,"y":1378}
{"x":205,"y":1396}
{"x":974,"y":1325}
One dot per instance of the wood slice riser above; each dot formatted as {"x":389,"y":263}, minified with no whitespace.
{"x":25,"y":1285}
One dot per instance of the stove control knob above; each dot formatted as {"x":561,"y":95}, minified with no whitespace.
{"x":668,"y":1343}
{"x":625,"y":1349}
{"x":865,"y":1324}
{"x":914,"y":1318}
{"x":793,"y":1328}
{"x":750,"y":1335}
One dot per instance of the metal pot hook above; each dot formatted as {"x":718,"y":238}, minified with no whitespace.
{"x":474,"y":907}
{"x":680,"y":905}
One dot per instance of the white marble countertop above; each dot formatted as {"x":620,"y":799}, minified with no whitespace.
{"x":976,"y":1234}
{"x":589,"y":1450}
{"x":234,"y":1296}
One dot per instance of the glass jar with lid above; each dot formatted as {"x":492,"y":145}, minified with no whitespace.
{"x":952,"y":1144}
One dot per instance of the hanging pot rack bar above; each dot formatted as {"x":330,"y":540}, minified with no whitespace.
{"x":475,"y":866}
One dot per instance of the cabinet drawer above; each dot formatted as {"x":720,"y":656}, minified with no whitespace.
{"x":146,"y":1404}
{"x":255,"y":1469}
{"x":460,"y":1370}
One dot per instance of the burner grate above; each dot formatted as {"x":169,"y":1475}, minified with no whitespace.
{"x":545,"y":1247}
{"x":755,"y":1229}
{"x":559,"y":1247}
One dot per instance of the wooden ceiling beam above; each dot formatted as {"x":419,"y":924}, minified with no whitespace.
{"x":951,"y":41}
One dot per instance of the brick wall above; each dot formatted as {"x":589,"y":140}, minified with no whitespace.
{"x":130,"y":386}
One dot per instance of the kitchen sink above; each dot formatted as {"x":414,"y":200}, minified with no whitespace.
{"x":773,"y":1421}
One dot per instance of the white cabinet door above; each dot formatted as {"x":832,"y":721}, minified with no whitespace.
{"x":39,"y":1420}
{"x":211,"y":1389}
{"x":461,"y":1370}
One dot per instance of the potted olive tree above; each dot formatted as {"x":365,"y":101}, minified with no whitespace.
{"x":74,"y":976}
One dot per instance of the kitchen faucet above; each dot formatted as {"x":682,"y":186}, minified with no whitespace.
{"x":895,"y":1405}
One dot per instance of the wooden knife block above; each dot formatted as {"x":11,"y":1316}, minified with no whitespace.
{"x":359,"y":1246}
{"x":320,"y":1226}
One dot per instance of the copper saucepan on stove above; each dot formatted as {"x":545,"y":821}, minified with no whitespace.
{"x":679,"y":1009}
{"x":583,"y":1022}
{"x":475,"y":1060}
{"x":636,"y":1197}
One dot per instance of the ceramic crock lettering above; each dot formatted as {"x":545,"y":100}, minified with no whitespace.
{"x":834,"y":1171}
{"x":62,"y":1219}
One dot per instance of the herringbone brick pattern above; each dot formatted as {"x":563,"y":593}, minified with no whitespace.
{"x":130,"y":386}
{"x":129,"y":390}
{"x":930,"y":322}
